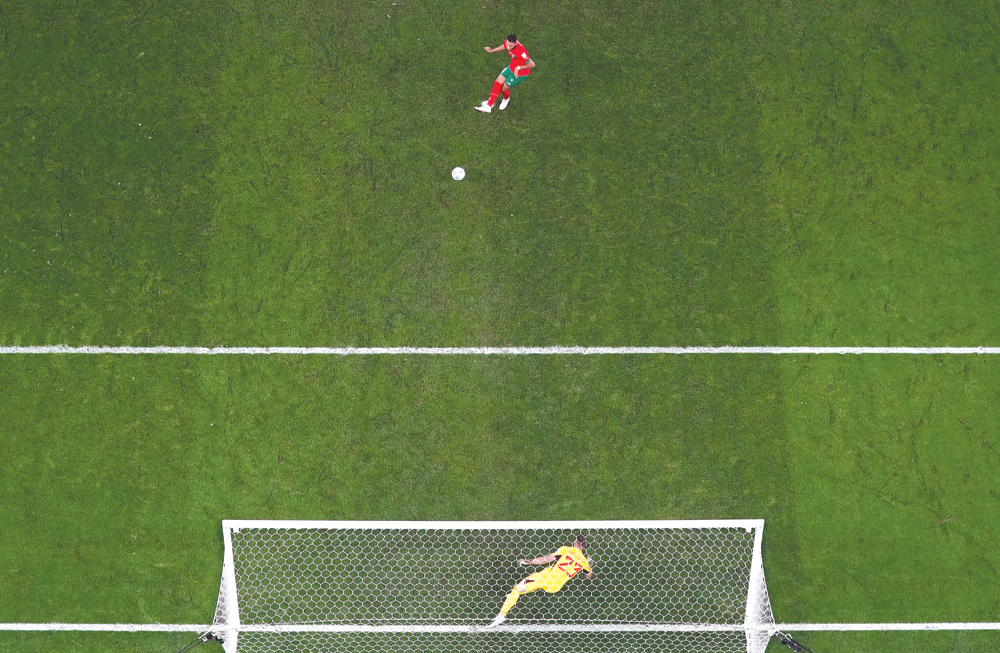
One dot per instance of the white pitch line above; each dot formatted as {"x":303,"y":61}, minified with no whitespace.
{"x":493,"y":351}
{"x":887,"y":627}
{"x":118,"y":628}
{"x":196,"y":628}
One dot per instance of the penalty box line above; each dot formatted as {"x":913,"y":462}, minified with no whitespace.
{"x":494,"y":351}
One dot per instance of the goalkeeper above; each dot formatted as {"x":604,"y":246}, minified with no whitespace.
{"x":551,"y":579}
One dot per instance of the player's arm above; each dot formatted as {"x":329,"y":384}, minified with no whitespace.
{"x":539,"y":561}
{"x":530,"y":64}
{"x":496,"y":49}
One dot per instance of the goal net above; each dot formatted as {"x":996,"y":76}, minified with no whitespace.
{"x":414,"y":587}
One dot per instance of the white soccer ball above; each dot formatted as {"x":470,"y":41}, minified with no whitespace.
{"x":458,"y":174}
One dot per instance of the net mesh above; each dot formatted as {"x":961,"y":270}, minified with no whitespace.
{"x":403,"y":583}
{"x":494,"y":640}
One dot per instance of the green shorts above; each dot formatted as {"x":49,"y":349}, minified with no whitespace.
{"x":512,"y":81}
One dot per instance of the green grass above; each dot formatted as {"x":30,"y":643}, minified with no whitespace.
{"x":107,"y":143}
{"x":894,"y":461}
{"x":263,"y":174}
{"x":162,"y":448}
{"x":308,"y":200}
{"x":879,"y":149}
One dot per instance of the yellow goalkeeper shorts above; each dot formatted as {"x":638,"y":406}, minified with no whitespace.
{"x":551,"y":580}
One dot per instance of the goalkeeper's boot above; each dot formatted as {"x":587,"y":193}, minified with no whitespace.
{"x":499,"y":620}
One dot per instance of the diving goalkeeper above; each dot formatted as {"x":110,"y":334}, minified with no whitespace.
{"x":552,"y":578}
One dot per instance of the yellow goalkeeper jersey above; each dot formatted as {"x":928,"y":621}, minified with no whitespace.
{"x":571,"y":561}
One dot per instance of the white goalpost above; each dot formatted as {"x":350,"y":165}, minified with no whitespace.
{"x":411,"y":587}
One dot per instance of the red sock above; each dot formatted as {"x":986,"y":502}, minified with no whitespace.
{"x":494,"y":93}
{"x":506,"y":94}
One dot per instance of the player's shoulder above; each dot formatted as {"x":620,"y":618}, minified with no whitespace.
{"x":563,"y":550}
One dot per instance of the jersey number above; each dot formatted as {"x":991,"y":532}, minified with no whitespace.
{"x":569,"y":566}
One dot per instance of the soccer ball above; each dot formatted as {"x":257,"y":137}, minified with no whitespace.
{"x":458,"y":174}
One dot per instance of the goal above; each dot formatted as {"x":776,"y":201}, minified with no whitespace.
{"x":411,"y":587}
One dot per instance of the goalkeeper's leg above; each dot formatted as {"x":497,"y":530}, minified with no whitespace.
{"x":527,"y":585}
{"x":517,"y":592}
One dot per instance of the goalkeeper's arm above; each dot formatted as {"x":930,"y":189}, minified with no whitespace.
{"x":547,"y":559}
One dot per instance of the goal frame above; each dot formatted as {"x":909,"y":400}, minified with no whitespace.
{"x":227,"y":624}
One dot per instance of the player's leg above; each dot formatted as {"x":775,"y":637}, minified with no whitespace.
{"x":526,"y":586}
{"x":506,"y":96}
{"x":498,"y":84}
{"x":510,"y":81}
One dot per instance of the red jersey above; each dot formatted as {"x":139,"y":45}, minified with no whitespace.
{"x":519,"y":57}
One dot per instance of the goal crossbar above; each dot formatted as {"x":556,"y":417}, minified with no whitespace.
{"x":239,"y":524}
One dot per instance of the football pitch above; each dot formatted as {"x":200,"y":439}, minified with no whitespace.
{"x":231,"y":173}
